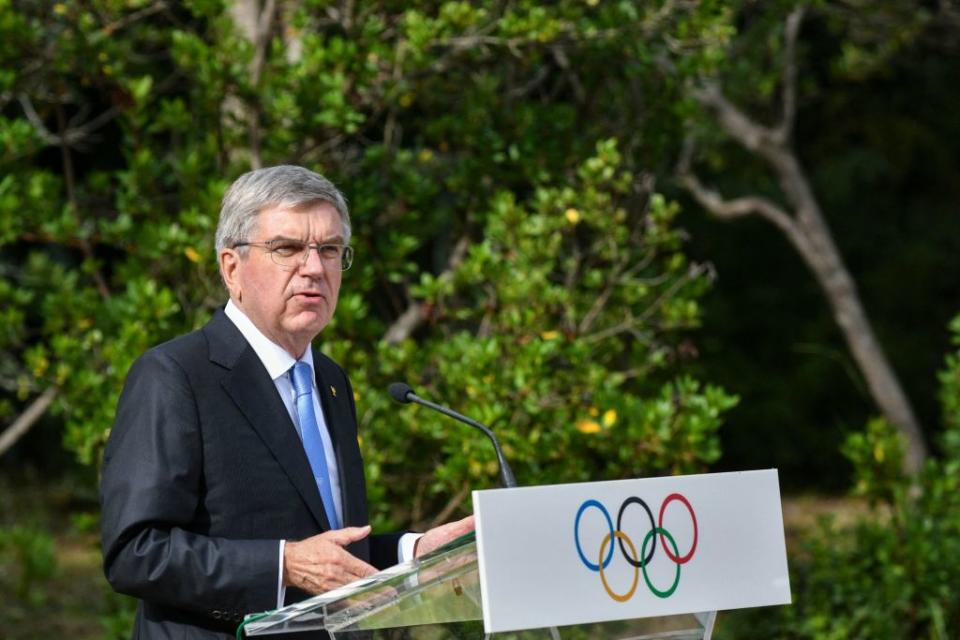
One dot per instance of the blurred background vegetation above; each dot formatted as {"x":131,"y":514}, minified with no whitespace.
{"x":543,"y":198}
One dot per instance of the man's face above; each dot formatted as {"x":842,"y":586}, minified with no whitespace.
{"x":290,"y":305}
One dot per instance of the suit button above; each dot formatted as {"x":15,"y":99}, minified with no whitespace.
{"x":216,"y":614}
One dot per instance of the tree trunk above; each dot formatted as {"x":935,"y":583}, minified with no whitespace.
{"x":27,"y":419}
{"x":823,"y":258}
{"x":807,"y":231}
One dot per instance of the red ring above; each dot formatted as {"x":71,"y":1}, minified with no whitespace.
{"x":663,"y":543}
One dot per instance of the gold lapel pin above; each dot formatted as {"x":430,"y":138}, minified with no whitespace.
{"x":333,"y":390}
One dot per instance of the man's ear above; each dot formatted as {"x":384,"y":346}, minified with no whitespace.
{"x":229,"y":271}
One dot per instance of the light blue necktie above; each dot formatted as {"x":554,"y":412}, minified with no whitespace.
{"x":312,"y":442}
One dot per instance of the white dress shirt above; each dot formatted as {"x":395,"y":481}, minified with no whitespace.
{"x":278,"y":364}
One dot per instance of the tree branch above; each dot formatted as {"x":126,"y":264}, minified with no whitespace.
{"x":564,"y":63}
{"x":415,"y":314}
{"x":450,"y":507}
{"x":408,"y":322}
{"x":348,"y":15}
{"x":69,"y":136}
{"x":630,"y":324}
{"x":610,"y":332}
{"x":753,"y":136}
{"x":27,"y":419}
{"x":129,"y":19}
{"x":769,"y":143}
{"x":742,"y":207}
{"x":261,"y":40}
{"x":784,"y":130}
{"x":70,"y":180}
{"x":612,"y":282}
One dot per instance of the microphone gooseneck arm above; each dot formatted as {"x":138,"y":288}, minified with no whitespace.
{"x":403,"y":393}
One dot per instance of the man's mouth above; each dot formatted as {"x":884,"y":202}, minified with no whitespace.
{"x":312,"y":295}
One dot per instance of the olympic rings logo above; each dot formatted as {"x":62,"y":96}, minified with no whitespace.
{"x":639,"y":566}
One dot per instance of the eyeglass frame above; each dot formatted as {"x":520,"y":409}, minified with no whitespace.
{"x":346,"y":257}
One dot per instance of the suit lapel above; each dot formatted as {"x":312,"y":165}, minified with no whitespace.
{"x":249,"y":386}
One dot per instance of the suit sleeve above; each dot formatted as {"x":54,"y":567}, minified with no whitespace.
{"x":151,"y":496}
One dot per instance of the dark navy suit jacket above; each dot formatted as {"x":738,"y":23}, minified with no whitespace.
{"x":204,"y":473}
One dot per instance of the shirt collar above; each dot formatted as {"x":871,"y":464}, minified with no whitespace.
{"x":274,"y":357}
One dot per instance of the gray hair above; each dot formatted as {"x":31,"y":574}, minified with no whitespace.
{"x":281,"y":186}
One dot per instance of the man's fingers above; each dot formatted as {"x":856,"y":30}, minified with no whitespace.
{"x":353,"y":565}
{"x":316,"y":578}
{"x":443,"y":534}
{"x":360,"y":569}
{"x":322,"y":563}
{"x":463,"y":526}
{"x":345,"y":536}
{"x":456,"y":529}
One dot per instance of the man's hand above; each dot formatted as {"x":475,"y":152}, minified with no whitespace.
{"x":320,"y":563}
{"x":439,"y":536}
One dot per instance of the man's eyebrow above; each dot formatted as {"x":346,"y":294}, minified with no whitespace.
{"x":337,"y":239}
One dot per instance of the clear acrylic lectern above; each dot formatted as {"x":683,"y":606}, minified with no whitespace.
{"x":438,"y":597}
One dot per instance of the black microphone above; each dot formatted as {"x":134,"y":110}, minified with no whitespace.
{"x":401,"y":392}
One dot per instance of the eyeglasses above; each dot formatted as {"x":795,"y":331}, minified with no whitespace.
{"x":291,"y":254}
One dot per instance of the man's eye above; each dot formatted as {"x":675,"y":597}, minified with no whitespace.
{"x":287,"y":249}
{"x":330,"y":251}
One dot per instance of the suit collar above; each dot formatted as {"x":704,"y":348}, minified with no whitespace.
{"x":225,"y":341}
{"x":275,"y":358}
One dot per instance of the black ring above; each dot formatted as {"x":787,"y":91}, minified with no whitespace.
{"x":653,"y":525}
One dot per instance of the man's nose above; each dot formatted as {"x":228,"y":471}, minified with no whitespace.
{"x":312,"y":262}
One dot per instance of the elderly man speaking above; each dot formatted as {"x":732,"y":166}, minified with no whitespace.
{"x":232,"y":479}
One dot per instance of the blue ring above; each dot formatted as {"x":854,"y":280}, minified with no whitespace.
{"x":576,"y":534}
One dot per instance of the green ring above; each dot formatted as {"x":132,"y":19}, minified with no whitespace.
{"x":643,"y":554}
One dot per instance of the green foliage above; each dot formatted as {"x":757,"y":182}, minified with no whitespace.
{"x":118,"y":616}
{"x":950,"y":394}
{"x":876,"y":454}
{"x":561,"y":330}
{"x":877,"y":33}
{"x":894,"y":574}
{"x":28,"y":554}
{"x":499,"y":159}
{"x":474,"y":143}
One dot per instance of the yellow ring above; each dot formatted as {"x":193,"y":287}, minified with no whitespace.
{"x":636,"y":571}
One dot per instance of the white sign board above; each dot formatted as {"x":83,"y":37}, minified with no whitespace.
{"x":581,"y":553}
